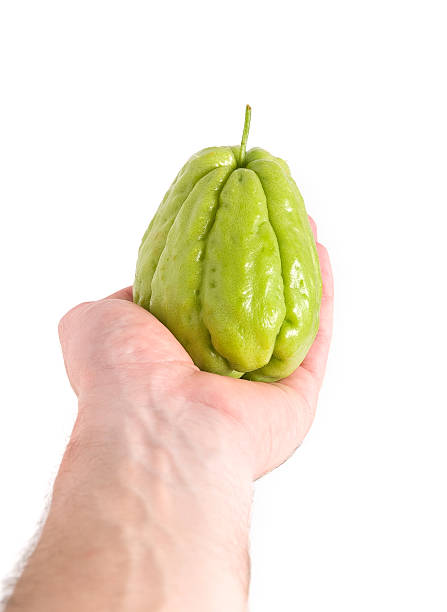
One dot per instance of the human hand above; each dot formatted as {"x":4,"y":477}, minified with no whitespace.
{"x":151,"y":505}
{"x":116,"y":349}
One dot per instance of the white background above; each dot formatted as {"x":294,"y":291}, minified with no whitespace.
{"x":101,"y":103}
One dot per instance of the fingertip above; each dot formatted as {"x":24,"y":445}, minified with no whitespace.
{"x":122,"y":294}
{"x":326,"y":270}
{"x":313,"y":226}
{"x":323,"y":253}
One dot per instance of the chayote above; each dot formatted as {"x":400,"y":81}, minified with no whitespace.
{"x":229,"y":264}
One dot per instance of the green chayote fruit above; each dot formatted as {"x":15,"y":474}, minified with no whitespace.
{"x":229,"y":264}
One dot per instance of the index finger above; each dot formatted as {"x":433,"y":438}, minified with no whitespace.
{"x":316,"y":358}
{"x":313,"y":366}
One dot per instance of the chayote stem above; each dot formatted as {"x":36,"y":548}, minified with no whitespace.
{"x":245,"y":136}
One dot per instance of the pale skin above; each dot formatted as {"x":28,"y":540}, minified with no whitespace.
{"x":151,"y":505}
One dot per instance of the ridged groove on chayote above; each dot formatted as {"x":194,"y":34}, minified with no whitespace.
{"x":229,"y":264}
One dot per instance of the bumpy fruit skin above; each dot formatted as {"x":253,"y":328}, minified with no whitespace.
{"x":229,"y":265}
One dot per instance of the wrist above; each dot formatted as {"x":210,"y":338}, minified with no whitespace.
{"x":177,"y":441}
{"x":177,"y":483}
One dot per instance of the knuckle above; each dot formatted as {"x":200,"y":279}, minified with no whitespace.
{"x":68,"y":316}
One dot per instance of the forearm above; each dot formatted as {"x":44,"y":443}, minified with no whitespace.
{"x":144,"y":516}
